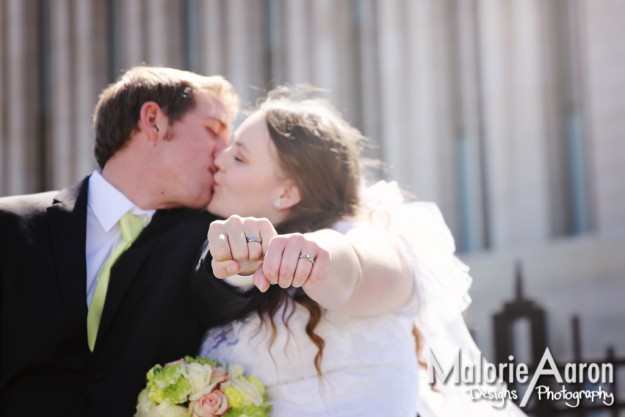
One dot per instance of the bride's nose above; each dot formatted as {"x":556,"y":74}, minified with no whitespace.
{"x":221,"y":158}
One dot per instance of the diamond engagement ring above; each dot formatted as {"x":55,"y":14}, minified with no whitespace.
{"x":250,"y":239}
{"x":308,"y":257}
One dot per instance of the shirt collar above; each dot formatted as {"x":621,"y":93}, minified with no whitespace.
{"x":109,"y":204}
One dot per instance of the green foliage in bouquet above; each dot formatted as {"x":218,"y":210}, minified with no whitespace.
{"x":201,"y":387}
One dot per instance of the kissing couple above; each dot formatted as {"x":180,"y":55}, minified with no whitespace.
{"x":269,"y":250}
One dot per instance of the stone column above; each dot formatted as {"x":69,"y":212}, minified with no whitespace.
{"x":133,"y":32}
{"x":212,"y":42}
{"x":4,"y":172}
{"x":297,"y":41}
{"x":164,"y":34}
{"x":391,"y":108}
{"x":62,"y":117}
{"x":89,"y":80}
{"x":604,"y":64}
{"x":514,"y":129}
{"x":244,"y":40}
{"x":21,"y":98}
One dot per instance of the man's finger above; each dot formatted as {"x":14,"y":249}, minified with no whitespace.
{"x":236,"y":238}
{"x":253,"y":238}
{"x":224,"y":269}
{"x":218,"y":244}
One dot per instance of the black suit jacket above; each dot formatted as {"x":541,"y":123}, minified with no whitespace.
{"x":159,"y":302}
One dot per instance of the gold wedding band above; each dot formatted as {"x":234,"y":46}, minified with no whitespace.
{"x":308,"y":257}
{"x":250,"y":239}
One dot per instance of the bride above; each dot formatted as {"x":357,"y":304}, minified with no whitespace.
{"x":331,"y":338}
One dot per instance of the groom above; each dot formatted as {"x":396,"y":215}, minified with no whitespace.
{"x":63,"y":350}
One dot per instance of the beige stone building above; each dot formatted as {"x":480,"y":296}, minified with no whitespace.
{"x":510,"y":114}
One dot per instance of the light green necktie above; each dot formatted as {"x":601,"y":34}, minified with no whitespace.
{"x":130,"y":226}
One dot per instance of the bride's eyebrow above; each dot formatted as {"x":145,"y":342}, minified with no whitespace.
{"x":242,"y":147}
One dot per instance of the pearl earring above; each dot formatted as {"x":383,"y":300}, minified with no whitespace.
{"x":277,"y":203}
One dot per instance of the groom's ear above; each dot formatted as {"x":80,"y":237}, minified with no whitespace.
{"x":290,"y":196}
{"x":152,"y":120}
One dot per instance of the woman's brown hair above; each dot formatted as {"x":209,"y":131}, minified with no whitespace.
{"x":321,"y":152}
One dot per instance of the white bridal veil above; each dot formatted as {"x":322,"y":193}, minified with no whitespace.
{"x":443,"y":285}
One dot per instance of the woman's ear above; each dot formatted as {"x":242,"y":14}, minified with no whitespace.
{"x":289,"y":196}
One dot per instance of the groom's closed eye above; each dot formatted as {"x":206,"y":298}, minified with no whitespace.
{"x":214,"y":127}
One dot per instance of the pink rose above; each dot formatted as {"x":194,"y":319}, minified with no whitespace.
{"x":218,"y":375}
{"x":213,"y":404}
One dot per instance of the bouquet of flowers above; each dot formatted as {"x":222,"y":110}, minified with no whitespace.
{"x":201,"y":387}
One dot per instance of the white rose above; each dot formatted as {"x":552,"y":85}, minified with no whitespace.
{"x":145,"y":406}
{"x":200,"y":378}
{"x":235,"y":371}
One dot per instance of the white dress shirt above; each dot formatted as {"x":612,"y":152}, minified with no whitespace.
{"x":105,"y":206}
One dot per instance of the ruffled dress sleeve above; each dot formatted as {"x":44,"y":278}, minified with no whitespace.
{"x":442,"y":281}
{"x":442,"y":291}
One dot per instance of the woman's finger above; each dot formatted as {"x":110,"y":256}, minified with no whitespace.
{"x":267,"y":232}
{"x":319,"y":268}
{"x":290,"y":258}
{"x":305,"y":263}
{"x":273,"y":259}
{"x":260,"y":281}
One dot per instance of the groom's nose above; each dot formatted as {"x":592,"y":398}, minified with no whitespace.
{"x":223,"y":141}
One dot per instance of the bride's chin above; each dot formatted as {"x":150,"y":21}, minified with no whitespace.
{"x":215,"y":209}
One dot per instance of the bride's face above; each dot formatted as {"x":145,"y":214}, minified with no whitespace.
{"x":248,"y":180}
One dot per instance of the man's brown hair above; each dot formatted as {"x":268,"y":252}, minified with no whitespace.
{"x":118,"y":109}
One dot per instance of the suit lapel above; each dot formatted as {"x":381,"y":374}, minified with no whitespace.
{"x":68,"y":229}
{"x":126,"y":269}
{"x":68,"y":222}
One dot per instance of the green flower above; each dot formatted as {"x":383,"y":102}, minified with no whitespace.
{"x":250,"y":411}
{"x":168,"y":383}
{"x":235,"y":396}
{"x":171,"y":387}
{"x":244,"y":390}
{"x":259,"y":386}
{"x":201,"y":360}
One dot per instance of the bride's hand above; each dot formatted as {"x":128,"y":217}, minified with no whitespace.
{"x":292,"y":260}
{"x":237,"y":244}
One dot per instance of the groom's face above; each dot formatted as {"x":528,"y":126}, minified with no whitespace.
{"x":189,"y":150}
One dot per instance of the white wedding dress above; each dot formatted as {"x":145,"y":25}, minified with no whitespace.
{"x":369,"y":364}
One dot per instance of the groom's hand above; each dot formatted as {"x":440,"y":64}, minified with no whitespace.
{"x":237,"y":245}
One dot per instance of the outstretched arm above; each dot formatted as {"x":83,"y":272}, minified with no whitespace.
{"x":361,"y":272}
{"x":368,"y":272}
